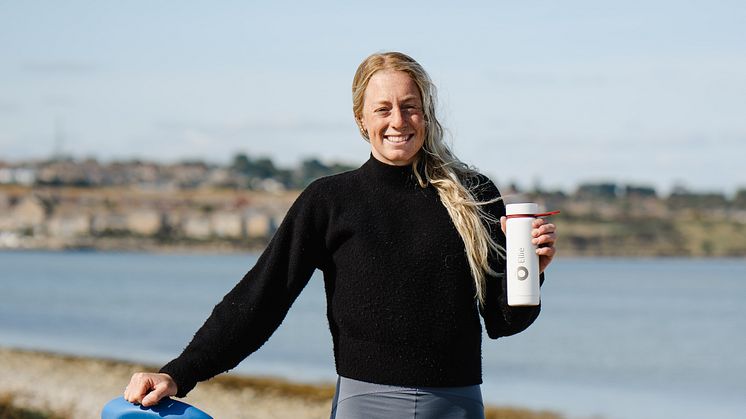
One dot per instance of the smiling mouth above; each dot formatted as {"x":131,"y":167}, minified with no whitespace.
{"x":398,"y":139}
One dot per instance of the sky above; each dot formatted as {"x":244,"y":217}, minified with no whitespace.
{"x":549,"y":93}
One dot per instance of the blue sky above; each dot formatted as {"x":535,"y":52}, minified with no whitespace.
{"x":644,"y":92}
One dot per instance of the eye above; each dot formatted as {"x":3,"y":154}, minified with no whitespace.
{"x":381,"y":110}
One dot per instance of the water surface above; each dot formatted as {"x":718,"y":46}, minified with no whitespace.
{"x":617,"y":338}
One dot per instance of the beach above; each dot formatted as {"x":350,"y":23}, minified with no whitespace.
{"x":78,"y":387}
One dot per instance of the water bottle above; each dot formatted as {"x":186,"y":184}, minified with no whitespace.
{"x":522,"y":272}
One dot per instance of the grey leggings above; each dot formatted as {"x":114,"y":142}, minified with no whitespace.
{"x":360,"y":400}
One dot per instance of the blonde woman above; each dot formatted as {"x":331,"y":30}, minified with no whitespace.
{"x":409,"y":244}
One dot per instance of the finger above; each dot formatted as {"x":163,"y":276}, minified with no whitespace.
{"x":136,"y":394}
{"x":160,"y":391}
{"x":139,"y":386}
{"x":548,"y":251}
{"x":128,"y":391}
{"x":544,"y":239}
{"x":543,"y":229}
{"x":538,"y":222}
{"x":504,"y":223}
{"x":548,"y":228}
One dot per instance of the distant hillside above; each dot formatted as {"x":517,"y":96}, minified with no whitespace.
{"x":220,"y":219}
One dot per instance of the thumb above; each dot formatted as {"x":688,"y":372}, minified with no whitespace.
{"x":159,"y":391}
{"x":503,"y":223}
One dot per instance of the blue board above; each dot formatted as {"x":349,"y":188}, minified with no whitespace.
{"x":167,"y":408}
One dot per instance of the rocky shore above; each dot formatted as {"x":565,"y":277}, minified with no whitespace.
{"x":67,"y":387}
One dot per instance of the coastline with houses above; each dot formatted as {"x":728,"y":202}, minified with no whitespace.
{"x":129,"y":218}
{"x":65,"y":203}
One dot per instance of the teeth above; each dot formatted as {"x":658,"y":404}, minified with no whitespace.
{"x":397,"y":138}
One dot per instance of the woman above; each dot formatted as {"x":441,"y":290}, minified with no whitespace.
{"x":409,"y":247}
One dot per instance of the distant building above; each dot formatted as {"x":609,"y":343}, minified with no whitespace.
{"x":29,"y":213}
{"x":144,"y":222}
{"x":227,"y":224}
{"x":69,"y":225}
{"x":259,"y":224}
{"x":196,"y":226}
{"x":17,"y":175}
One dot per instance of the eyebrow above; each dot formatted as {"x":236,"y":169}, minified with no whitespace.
{"x":404,"y":99}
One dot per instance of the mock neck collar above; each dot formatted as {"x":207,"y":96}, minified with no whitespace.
{"x":388,"y":172}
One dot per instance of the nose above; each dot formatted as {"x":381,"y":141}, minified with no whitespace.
{"x":398,"y":118}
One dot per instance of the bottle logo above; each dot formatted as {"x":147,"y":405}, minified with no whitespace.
{"x":522,"y":273}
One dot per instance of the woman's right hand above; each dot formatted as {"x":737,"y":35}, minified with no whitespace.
{"x":148,"y":389}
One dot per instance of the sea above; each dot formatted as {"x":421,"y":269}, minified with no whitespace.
{"x":616,"y":339}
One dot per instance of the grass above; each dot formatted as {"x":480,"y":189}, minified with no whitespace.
{"x":277,"y":387}
{"x":517,"y":413}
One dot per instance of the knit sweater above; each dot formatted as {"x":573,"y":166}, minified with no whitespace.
{"x":400,"y":296}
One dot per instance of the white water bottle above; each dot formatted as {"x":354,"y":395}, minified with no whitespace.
{"x":522,"y":261}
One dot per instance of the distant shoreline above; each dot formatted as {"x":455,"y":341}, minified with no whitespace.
{"x":218,"y":250}
{"x":230,"y":220}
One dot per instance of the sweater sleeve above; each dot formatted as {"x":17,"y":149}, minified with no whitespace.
{"x":248,"y":315}
{"x":500,"y":319}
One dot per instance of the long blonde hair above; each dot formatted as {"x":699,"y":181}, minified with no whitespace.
{"x":442,"y":168}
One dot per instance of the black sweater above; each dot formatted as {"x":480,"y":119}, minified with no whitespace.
{"x":400,"y":297}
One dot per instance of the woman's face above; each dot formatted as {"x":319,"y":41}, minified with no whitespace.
{"x":393,"y":117}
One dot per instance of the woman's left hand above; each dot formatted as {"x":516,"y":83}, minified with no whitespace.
{"x":544,"y":235}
